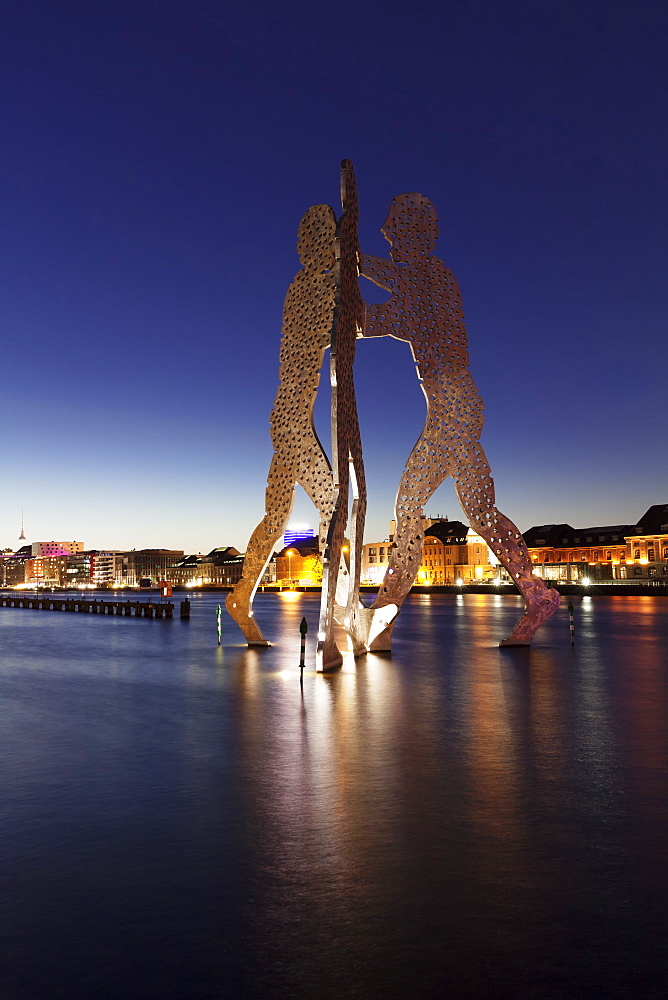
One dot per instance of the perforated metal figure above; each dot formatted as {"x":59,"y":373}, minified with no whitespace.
{"x":425,"y":309}
{"x":299,"y":458}
{"x":340,"y":587}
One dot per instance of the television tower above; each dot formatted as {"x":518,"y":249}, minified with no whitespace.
{"x":22,"y":536}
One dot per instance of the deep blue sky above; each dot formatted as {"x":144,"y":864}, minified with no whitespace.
{"x":157,"y":159}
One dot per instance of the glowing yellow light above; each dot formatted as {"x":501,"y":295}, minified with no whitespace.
{"x":289,"y":595}
{"x":644,"y":561}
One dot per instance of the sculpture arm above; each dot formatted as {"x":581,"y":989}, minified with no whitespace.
{"x":378,"y":270}
{"x":380,"y":320}
{"x":374,"y":322}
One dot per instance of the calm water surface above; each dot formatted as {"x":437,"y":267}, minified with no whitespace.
{"x":178,"y":821}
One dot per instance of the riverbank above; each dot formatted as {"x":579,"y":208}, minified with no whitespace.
{"x":609,"y":588}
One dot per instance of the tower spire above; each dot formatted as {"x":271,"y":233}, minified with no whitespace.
{"x":22,"y":536}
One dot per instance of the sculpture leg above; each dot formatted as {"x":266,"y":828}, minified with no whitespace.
{"x":279,"y":500}
{"x":348,"y":608}
{"x":316,"y":478}
{"x":428,"y":465}
{"x":475,"y":489}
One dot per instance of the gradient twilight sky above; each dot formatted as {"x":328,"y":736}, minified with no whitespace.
{"x":157,"y":159}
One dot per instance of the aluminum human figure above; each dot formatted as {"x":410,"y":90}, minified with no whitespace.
{"x":425,"y":310}
{"x":299,"y":458}
{"x":323,"y":309}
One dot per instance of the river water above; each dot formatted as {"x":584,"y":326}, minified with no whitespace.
{"x":180,"y":820}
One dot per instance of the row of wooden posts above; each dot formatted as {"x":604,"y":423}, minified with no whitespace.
{"x":138,"y":609}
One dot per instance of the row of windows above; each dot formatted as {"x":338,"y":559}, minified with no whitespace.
{"x":372,"y":553}
{"x":597,"y":555}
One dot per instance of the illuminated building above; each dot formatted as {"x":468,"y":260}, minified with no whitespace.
{"x":90,"y":569}
{"x":375,"y":559}
{"x":56,"y":548}
{"x":452,"y":551}
{"x":102,"y":568}
{"x":222,"y":567}
{"x":299,"y":564}
{"x":647,"y":556}
{"x":565,"y":554}
{"x":298,"y":533}
{"x":46,"y":571}
{"x":560,"y":552}
{"x":149,"y":564}
{"x":14,"y":567}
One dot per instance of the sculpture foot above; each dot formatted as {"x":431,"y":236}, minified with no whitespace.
{"x":327,"y":657}
{"x":243,"y":616}
{"x":381,"y":628}
{"x":356,"y":624}
{"x":539,"y":608}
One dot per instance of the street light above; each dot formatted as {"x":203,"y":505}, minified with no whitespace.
{"x":290,"y":553}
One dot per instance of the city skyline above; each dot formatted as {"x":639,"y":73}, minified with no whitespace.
{"x":157,"y":172}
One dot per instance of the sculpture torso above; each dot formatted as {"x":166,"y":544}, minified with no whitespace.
{"x":425,"y":309}
{"x":307,"y":331}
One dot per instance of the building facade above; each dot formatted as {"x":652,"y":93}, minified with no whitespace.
{"x":647,"y":557}
{"x":46,"y":571}
{"x":638,"y":552}
{"x":299,"y":565}
{"x":56,"y":548}
{"x":222,"y":567}
{"x":150,"y":565}
{"x":452,"y":553}
{"x":569,"y":555}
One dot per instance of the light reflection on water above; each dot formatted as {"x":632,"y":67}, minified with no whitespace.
{"x":182,"y":820}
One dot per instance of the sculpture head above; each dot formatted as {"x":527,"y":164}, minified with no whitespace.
{"x":316,"y":239}
{"x":411,"y":228}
